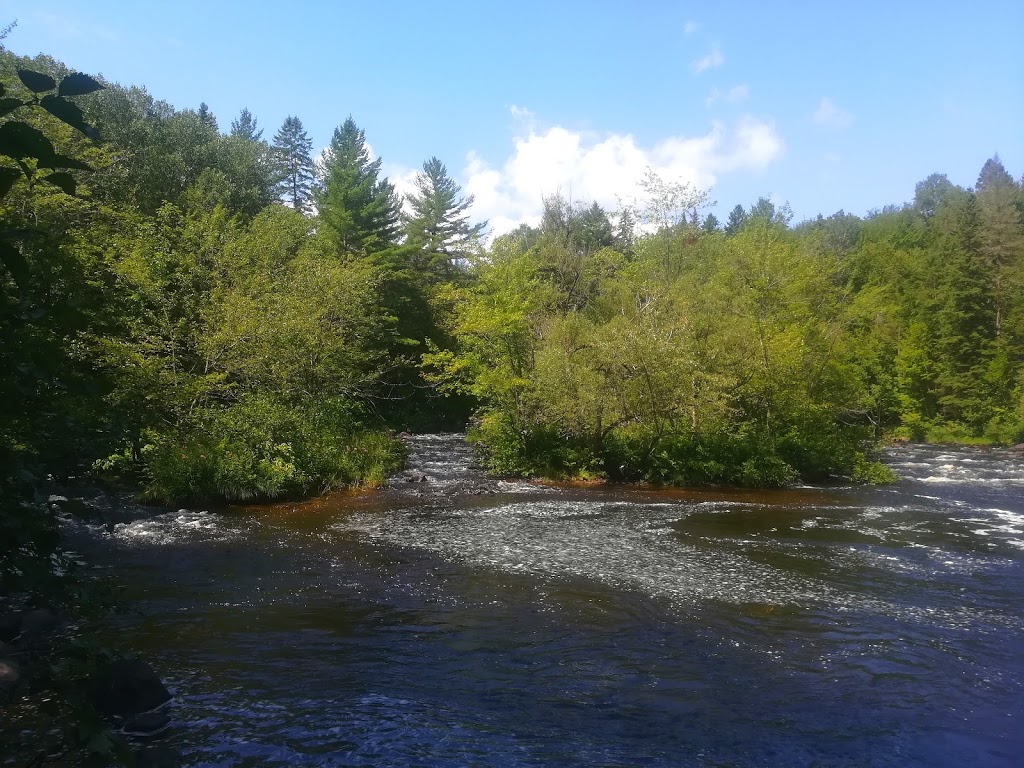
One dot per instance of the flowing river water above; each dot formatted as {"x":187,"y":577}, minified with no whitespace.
{"x":462,"y":621}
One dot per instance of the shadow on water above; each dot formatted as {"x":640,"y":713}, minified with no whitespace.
{"x":460,"y":620}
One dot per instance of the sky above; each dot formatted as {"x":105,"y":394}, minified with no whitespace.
{"x":824,"y":106}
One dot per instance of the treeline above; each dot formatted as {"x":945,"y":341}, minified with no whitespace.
{"x":671,"y":349}
{"x":218,"y":315}
{"x":211,"y":315}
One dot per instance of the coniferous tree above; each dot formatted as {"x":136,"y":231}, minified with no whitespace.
{"x":360,"y":209}
{"x":206,"y":117}
{"x":245,"y":127}
{"x":711,"y":224}
{"x":293,"y":149}
{"x":625,"y":232}
{"x":1001,"y":234}
{"x":438,"y":226}
{"x":737,"y":218}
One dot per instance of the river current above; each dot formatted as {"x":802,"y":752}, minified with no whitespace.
{"x":456,"y":620}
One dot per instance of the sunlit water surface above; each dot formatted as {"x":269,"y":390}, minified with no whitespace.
{"x":462,"y":621}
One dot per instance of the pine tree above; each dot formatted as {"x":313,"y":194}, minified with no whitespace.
{"x":1001,"y":234}
{"x":293,"y":149}
{"x":360,"y":209}
{"x":965,"y":314}
{"x":245,"y":127}
{"x":737,"y":218}
{"x":438,"y":226}
{"x":711,"y":224}
{"x":206,"y":117}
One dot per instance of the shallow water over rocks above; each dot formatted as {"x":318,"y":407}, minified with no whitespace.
{"x":458,"y":620}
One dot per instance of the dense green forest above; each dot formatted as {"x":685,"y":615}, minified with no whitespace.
{"x":204,"y":312}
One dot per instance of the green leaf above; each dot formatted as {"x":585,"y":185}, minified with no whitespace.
{"x":63,"y":161}
{"x":67,"y":112}
{"x":7,"y":178}
{"x":78,"y":84}
{"x":9,"y":105}
{"x":36,"y":81}
{"x":20,"y":140}
{"x":15,"y":263}
{"x":62,"y":179}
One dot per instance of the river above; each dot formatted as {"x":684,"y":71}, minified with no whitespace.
{"x":465,"y":621}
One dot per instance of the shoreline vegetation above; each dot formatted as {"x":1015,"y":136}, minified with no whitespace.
{"x":199,"y":312}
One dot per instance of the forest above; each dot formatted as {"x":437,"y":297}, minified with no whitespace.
{"x":205,"y":312}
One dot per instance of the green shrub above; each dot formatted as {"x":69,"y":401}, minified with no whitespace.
{"x":260,"y":448}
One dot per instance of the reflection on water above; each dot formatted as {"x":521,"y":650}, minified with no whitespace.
{"x":463,"y":621}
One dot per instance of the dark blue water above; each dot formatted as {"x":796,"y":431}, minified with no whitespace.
{"x":467,"y":622}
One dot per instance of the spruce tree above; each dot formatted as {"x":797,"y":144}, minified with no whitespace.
{"x":206,"y":117}
{"x":358,"y":208}
{"x":737,"y":218}
{"x":293,"y":149}
{"x":438,"y":227}
{"x":1001,"y":233}
{"x":245,"y":127}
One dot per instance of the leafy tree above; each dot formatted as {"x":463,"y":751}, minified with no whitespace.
{"x":437,"y":225}
{"x":930,"y":194}
{"x":293,"y":148}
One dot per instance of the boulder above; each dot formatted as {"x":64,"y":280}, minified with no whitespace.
{"x":127,"y":687}
{"x":38,"y":622}
{"x":1018,"y":448}
{"x":10,"y":626}
{"x":157,"y":757}
{"x":147,"y":724}
{"x":10,"y":676}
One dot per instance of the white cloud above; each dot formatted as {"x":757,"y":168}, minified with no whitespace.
{"x":734,"y":95}
{"x":828,"y":114}
{"x":690,"y":28}
{"x":713,"y":59}
{"x":605,"y":168}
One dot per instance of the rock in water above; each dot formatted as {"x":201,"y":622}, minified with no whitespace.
{"x":10,"y":626}
{"x":148,"y":724}
{"x":10,"y":676}
{"x":127,"y":687}
{"x":38,"y":622}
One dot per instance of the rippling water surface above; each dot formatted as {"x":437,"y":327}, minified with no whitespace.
{"x":461,"y":621}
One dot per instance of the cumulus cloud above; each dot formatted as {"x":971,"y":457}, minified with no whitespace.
{"x":734,"y":95}
{"x":605,"y":168}
{"x":712,"y":60}
{"x":830,"y":115}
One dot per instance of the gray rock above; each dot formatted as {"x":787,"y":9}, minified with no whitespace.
{"x":148,"y":724}
{"x":10,"y":676}
{"x":38,"y":622}
{"x":157,"y":757}
{"x":127,"y":687}
{"x":10,"y":626}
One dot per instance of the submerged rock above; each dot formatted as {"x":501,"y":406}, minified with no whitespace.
{"x":127,"y":687}
{"x":10,"y":626}
{"x":10,"y":676}
{"x":147,"y":724}
{"x":38,"y":622}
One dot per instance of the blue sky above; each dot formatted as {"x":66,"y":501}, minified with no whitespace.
{"x":822,"y":105}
